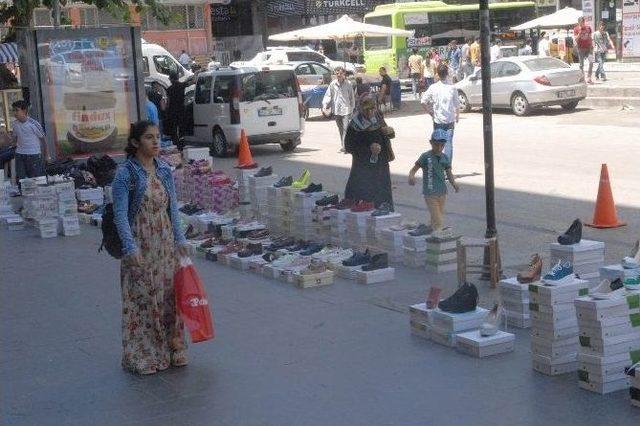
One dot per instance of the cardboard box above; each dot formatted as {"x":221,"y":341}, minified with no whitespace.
{"x":553,"y":367}
{"x":450,"y":322}
{"x":472,"y":343}
{"x":348,"y":272}
{"x":420,"y":329}
{"x":375,"y":276}
{"x":588,"y":383}
{"x":314,"y":280}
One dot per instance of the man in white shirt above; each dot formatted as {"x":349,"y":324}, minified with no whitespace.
{"x":184,"y":59}
{"x":496,"y":53}
{"x":340,"y":100}
{"x":543,"y":45}
{"x":442,"y":103}
{"x":28,"y":136}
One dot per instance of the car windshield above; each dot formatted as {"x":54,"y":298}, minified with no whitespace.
{"x":268,"y":85}
{"x":542,"y":64}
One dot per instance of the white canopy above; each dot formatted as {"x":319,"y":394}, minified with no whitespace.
{"x":343,"y":28}
{"x":562,"y":18}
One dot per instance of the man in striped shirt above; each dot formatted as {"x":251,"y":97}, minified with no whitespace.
{"x":28,"y":136}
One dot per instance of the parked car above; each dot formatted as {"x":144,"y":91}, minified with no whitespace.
{"x":283,"y":55}
{"x":265,"y":102}
{"x":158,"y":64}
{"x":311,"y":73}
{"x":523,"y":83}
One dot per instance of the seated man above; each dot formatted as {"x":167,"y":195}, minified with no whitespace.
{"x":385,"y":87}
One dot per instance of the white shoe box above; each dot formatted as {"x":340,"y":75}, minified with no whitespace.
{"x":441,"y":257}
{"x":413,"y":259}
{"x":602,"y":369}
{"x":256,"y":264}
{"x":241,"y":263}
{"x":575,"y":250}
{"x":552,"y":294}
{"x":615,"y":345}
{"x":15,"y":223}
{"x":356,"y":220}
{"x":448,"y":322}
{"x":611,"y":272}
{"x":314,"y":280}
{"x":615,"y":326}
{"x":48,"y":228}
{"x":415,"y":243}
{"x":602,"y":388}
{"x":375,"y":276}
{"x":420,"y":329}
{"x":555,"y":366}
{"x":439,"y":268}
{"x":441,"y":245}
{"x":597,"y":310}
{"x":192,"y":153}
{"x":472,"y":343}
{"x":307,"y":201}
{"x":554,"y":348}
{"x":443,"y":338}
{"x":262,"y":182}
{"x":348,"y":272}
{"x":555,"y":334}
{"x":516,"y":319}
{"x":420,"y":314}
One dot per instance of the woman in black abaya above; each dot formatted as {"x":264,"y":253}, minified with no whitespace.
{"x":370,"y":147}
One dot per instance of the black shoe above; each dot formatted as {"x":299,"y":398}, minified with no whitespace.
{"x":300,"y":245}
{"x":284,"y":181}
{"x":358,"y":258}
{"x":328,"y":200}
{"x":313,"y":187}
{"x":378,"y":261}
{"x":573,"y":234}
{"x":270,"y":257}
{"x":383,"y":210}
{"x":265,"y":171}
{"x":281,"y":243}
{"x":465,"y":299}
{"x":421,"y":230}
{"x":616,"y":284}
{"x":311,"y":249}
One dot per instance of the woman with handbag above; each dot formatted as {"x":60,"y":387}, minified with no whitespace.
{"x":368,"y":142}
{"x":146,"y":217}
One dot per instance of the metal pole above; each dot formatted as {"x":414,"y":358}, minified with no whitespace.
{"x":56,"y":13}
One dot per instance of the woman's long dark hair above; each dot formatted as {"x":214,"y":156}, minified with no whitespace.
{"x":136,"y":130}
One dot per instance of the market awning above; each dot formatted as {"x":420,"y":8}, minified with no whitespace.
{"x":8,"y":52}
{"x":562,"y":18}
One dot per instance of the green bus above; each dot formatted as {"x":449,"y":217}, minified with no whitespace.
{"x":435,"y":24}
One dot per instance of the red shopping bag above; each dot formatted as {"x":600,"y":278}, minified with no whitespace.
{"x":192,"y":302}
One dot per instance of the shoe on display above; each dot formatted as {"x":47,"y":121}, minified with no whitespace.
{"x":313,"y":187}
{"x":315,"y":267}
{"x":442,"y":234}
{"x":265,"y":171}
{"x":533,"y":272}
{"x":378,"y":261}
{"x":404,"y":226}
{"x":358,"y":258}
{"x":573,"y":234}
{"x":632,"y":261}
{"x":433,"y":298}
{"x":258,"y":234}
{"x":285,"y":260}
{"x":362,"y":206}
{"x":561,"y":273}
{"x":300,"y":245}
{"x":303,"y":181}
{"x":270,"y":256}
{"x":231,"y":248}
{"x":191,"y":232}
{"x":284,"y":182}
{"x":311,"y":249}
{"x":345,"y":204}
{"x":281,"y":243}
{"x":421,"y":230}
{"x":252,"y":249}
{"x":383,"y":210}
{"x":632,"y":284}
{"x":329,"y":200}
{"x":608,"y":290}
{"x":490,"y":325}
{"x":465,"y":299}
{"x":339,"y":255}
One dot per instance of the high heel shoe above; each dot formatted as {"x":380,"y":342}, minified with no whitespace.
{"x":490,"y":325}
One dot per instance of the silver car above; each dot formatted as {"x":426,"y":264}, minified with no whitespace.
{"x":523,"y":83}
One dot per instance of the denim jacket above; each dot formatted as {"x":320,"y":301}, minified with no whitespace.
{"x":131,"y":175}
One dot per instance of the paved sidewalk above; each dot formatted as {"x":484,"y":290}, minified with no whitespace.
{"x":340,"y":355}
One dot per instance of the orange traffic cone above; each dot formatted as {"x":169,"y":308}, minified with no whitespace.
{"x":605,"y":215}
{"x":245,"y":159}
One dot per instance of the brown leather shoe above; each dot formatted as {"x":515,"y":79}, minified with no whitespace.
{"x":533,"y":272}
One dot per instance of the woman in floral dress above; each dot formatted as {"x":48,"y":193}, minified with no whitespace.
{"x":146,"y":215}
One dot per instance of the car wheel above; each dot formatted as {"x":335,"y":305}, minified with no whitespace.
{"x":464,"y":102}
{"x":520,"y":104}
{"x":569,"y":106}
{"x":290,"y":145}
{"x":219,"y":144}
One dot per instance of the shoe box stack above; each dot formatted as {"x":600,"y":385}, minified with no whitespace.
{"x":258,"y":197}
{"x":376,"y":224}
{"x":415,"y":251}
{"x":244,"y":192}
{"x":586,"y":257}
{"x":446,"y":325}
{"x":68,"y":221}
{"x":554,"y":326}
{"x":634,"y":380}
{"x":5,"y":205}
{"x":607,"y":341}
{"x":612,"y":272}
{"x":441,"y":255}
{"x":195,"y":154}
{"x":338,"y":222}
{"x":420,"y":320}
{"x":356,"y":227}
{"x":391,"y":242}
{"x":380,"y":272}
{"x":514,"y":298}
{"x":303,"y":225}
{"x":322,"y":221}
{"x":279,"y":210}
{"x":475,"y":344}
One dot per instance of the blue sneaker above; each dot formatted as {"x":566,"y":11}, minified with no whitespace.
{"x":561,"y":273}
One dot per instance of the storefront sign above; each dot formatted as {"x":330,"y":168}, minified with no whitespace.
{"x":334,"y":7}
{"x":630,"y":29}
{"x":418,"y":42}
{"x":222,"y":13}
{"x":279,"y":8}
{"x":588,"y":12}
{"x":416,"y":18}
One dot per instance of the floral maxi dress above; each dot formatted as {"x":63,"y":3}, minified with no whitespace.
{"x":152,"y":333}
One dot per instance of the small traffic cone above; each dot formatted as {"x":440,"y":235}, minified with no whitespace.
{"x":245,"y":159}
{"x":605,"y":215}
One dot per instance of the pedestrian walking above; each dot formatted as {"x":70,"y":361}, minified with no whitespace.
{"x":602,"y":43}
{"x":474,"y":53}
{"x":415,"y":71}
{"x":466,"y":66}
{"x":340,"y":100}
{"x":435,"y":165}
{"x":544,"y":47}
{"x":442,"y":103}
{"x":584,"y":46}
{"x":175,"y":110}
{"x":184,"y":59}
{"x":28,"y":137}
{"x":429,"y":71}
{"x":525,"y":49}
{"x":385,"y":88}
{"x":367,"y":140}
{"x":496,"y":52}
{"x":146,"y":216}
{"x":454,"y":60}
{"x":152,"y":110}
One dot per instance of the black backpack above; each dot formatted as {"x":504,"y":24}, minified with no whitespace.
{"x":110,"y":238}
{"x":103,"y":168}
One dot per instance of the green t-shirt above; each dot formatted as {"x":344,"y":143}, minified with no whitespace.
{"x":433,"y":172}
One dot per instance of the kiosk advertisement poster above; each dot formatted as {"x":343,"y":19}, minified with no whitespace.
{"x":630,"y":29}
{"x":88,"y":80}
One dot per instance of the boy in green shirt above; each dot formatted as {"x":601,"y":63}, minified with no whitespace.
{"x":435,"y":165}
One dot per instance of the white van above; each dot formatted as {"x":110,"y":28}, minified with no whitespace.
{"x":158,"y":64}
{"x":265,"y":102}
